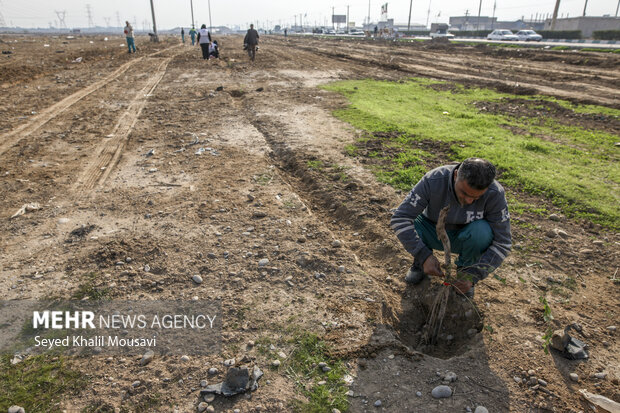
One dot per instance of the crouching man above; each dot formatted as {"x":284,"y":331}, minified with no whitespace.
{"x":478,"y":223}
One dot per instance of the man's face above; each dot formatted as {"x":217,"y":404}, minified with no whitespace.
{"x":465,"y":193}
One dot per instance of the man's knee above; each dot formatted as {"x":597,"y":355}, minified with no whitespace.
{"x":478,"y":232}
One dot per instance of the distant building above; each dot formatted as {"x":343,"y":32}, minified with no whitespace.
{"x":587,"y":24}
{"x":389,"y":24}
{"x":470,"y":23}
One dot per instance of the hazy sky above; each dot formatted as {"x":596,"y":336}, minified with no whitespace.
{"x":174,"y":13}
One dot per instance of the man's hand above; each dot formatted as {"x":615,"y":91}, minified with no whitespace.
{"x":462,"y":285}
{"x":431,"y":266}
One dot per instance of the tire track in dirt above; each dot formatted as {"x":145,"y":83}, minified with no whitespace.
{"x":11,"y":138}
{"x":109,"y":151}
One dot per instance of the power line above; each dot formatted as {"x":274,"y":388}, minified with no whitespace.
{"x":3,"y":24}
{"x":107,"y":21}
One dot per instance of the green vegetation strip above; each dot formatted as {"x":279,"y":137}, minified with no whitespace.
{"x":576,"y":168}
{"x":324,"y":390}
{"x":38,"y":383}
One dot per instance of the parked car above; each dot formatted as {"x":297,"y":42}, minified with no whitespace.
{"x":502,"y":34}
{"x":442,"y":33}
{"x":529,"y":36}
{"x":356,"y":32}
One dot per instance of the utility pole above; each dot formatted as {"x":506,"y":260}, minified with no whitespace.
{"x":428,"y":13}
{"x":210,"y":24}
{"x":584,"y":7}
{"x":191,"y":6}
{"x":333,"y":24}
{"x":617,"y":7}
{"x":479,"y":10}
{"x":409,"y":21}
{"x":90,"y":16}
{"x":347,"y":19}
{"x":369,"y":11}
{"x":555,"y":14}
{"x":155,"y":38}
{"x":106,"y":20}
{"x":118,"y":19}
{"x":3,"y":23}
{"x":493,"y":18}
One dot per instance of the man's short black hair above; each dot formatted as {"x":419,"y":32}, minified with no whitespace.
{"x":477,"y":172}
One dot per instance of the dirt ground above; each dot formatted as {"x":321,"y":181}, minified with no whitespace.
{"x":108,"y":146}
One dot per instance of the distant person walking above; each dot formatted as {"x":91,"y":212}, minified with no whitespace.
{"x":251,"y":42}
{"x":285,"y":32}
{"x":204,"y":40}
{"x":192,"y":34}
{"x":182,"y":35}
{"x":131,"y":44}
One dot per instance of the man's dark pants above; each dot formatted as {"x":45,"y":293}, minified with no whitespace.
{"x":470,"y":242}
{"x":205,"y":50}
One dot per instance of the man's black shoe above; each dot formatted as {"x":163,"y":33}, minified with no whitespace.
{"x":415,"y":275}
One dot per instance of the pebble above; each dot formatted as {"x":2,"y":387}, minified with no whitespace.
{"x":555,"y":217}
{"x":184,"y":358}
{"x":450,"y":377}
{"x":209,"y":397}
{"x":471,"y":331}
{"x":203,"y":383}
{"x":262,"y":263}
{"x":601,"y":375}
{"x":202,"y":406}
{"x":336,"y":243}
{"x":135,"y":383}
{"x":418,"y":393}
{"x":542,"y":382}
{"x":441,"y":392}
{"x":210,"y":409}
{"x":63,"y":220}
{"x":340,"y":268}
{"x":378,"y":403}
{"x":276,"y":363}
{"x":16,"y":409}
{"x":282,"y":354}
{"x":611,"y":328}
{"x":481,"y":409}
{"x":147,"y":358}
{"x":197,"y":279}
{"x":230,"y":362}
{"x":212,"y":371}
{"x":335,"y":411}
{"x":562,"y":233}
{"x":517,"y":379}
{"x":574,"y":377}
{"x":533,"y":381}
{"x":531,"y":372}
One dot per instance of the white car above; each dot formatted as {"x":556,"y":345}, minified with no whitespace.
{"x":442,"y":33}
{"x":356,"y":32}
{"x":529,"y":36}
{"x":502,"y":34}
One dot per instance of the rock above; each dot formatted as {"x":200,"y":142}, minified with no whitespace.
{"x":340,"y":269}
{"x":598,"y":243}
{"x":336,"y":243}
{"x":63,"y":220}
{"x":378,"y":403}
{"x":184,"y":358}
{"x":450,"y":377}
{"x":611,"y":328}
{"x":561,"y":233}
{"x":418,"y":393}
{"x":481,"y":409}
{"x":559,"y":340}
{"x":263,"y":263}
{"x":555,"y":217}
{"x":213,"y":371}
{"x":282,"y":354}
{"x":230,"y":362}
{"x":335,"y":411}
{"x":202,"y":406}
{"x":16,"y":409}
{"x":472,"y":331}
{"x":326,"y":369}
{"x":135,"y":383}
{"x":441,"y":392}
{"x":586,"y":251}
{"x":276,"y":363}
{"x":259,"y":214}
{"x":551,"y":233}
{"x":147,"y":357}
{"x":517,"y":379}
{"x":210,"y":409}
{"x":209,"y":397}
{"x":197,"y":279}
{"x":600,"y":375}
{"x":542,"y":382}
{"x":203,"y":383}
{"x":533,"y":381}
{"x":574,"y":377}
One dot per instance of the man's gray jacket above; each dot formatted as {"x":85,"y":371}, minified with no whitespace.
{"x":251,"y":37}
{"x":435,"y":191}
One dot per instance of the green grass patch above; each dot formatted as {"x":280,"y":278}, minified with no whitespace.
{"x":575,"y":168}
{"x":303,"y":368}
{"x":38,"y":384}
{"x":315,"y":164}
{"x":88,"y":289}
